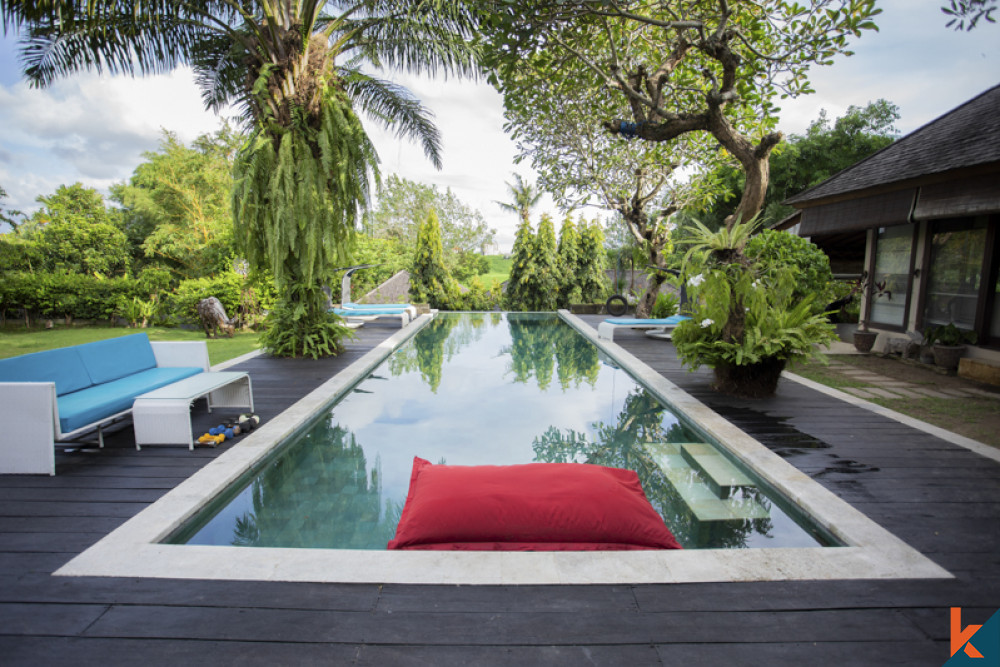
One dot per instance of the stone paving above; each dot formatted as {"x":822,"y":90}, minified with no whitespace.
{"x":880,"y":386}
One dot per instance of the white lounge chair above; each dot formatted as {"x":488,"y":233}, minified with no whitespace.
{"x":354,"y":315}
{"x":659,"y":328}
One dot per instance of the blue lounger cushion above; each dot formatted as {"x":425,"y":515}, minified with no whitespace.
{"x":376,"y":306}
{"x":115,"y":358}
{"x":92,"y":404}
{"x":350,"y":312}
{"x":674,"y":320}
{"x":63,"y":366}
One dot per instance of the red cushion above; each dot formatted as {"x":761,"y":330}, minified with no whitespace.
{"x":532,"y":507}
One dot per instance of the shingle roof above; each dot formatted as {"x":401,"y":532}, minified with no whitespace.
{"x":964,"y":137}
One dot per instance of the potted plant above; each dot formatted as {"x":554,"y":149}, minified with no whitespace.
{"x":864,"y":339}
{"x":948,"y":343}
{"x":747,"y":320}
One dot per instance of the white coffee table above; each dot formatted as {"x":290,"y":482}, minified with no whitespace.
{"x":163,"y":416}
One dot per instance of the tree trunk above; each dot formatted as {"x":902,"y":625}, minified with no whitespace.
{"x":645,"y":306}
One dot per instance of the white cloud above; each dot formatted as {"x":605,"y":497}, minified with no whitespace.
{"x":91,"y":129}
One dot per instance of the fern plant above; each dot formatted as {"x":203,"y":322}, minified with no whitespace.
{"x":746,"y":320}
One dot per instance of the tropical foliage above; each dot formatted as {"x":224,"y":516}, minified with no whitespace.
{"x":746,"y":321}
{"x":176,"y":207}
{"x":299,"y":70}
{"x":73,"y":232}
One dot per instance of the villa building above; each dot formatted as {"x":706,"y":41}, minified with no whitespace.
{"x":922,"y":218}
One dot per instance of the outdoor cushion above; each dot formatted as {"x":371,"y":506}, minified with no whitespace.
{"x":62,"y":366}
{"x":376,"y":306}
{"x":530,"y":507}
{"x":92,"y":404}
{"x":673,"y":320}
{"x":347,"y":312}
{"x":115,"y":358}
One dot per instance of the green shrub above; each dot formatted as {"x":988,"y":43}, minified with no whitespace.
{"x":226,"y":287}
{"x":479,"y":298}
{"x":65,"y":295}
{"x":288,"y":334}
{"x":776,"y":251}
{"x":666,"y":305}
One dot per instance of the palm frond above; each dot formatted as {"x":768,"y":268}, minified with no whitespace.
{"x":425,"y":36}
{"x":221,"y":74}
{"x":116,"y":36}
{"x":395,"y":108}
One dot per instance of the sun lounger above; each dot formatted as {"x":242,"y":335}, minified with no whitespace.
{"x":381,"y":307}
{"x":372,"y":314}
{"x":660,"y":328}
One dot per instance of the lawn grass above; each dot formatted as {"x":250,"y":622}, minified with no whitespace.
{"x":974,"y":417}
{"x":499,"y":269}
{"x":823,"y":374}
{"x":16,"y":340}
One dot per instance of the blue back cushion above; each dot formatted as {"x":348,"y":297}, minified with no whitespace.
{"x":107,"y":360}
{"x":62,"y":366}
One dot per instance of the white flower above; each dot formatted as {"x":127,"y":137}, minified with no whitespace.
{"x":697,"y":280}
{"x":707,"y":323}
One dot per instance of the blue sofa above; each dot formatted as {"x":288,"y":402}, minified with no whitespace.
{"x":59,"y":395}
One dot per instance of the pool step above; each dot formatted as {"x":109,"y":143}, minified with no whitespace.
{"x":701,"y":498}
{"x":722,"y":475}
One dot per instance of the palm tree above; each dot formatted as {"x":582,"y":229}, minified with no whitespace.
{"x":295,"y":70}
{"x":523,"y":197}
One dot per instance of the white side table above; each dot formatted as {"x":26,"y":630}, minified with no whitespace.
{"x":163,"y":416}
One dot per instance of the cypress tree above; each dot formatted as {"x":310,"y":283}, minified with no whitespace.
{"x":522,"y":268}
{"x":592,"y":278}
{"x":547,"y":277}
{"x":568,"y":255}
{"x":430,"y":281}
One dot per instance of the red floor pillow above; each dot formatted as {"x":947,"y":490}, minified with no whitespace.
{"x":531,"y":507}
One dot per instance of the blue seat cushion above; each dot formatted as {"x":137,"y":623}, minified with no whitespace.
{"x":376,"y":306}
{"x":95,"y":403}
{"x":108,"y":360}
{"x":368,"y":312}
{"x":664,"y":322}
{"x":62,"y":366}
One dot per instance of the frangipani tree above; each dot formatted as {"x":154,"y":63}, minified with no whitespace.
{"x":709,"y":67}
{"x":299,"y":70}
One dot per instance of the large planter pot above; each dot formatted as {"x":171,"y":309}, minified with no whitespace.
{"x":947,"y":356}
{"x":749,"y":381}
{"x":864,"y":340}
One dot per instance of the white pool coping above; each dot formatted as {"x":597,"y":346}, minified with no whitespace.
{"x":135,"y":549}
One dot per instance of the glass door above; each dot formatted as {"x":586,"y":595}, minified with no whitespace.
{"x":890,"y":287}
{"x":957,"y":249}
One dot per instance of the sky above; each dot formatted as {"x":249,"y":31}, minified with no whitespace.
{"x":94,"y":129}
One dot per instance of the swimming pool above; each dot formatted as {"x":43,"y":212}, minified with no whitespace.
{"x":497,"y":389}
{"x":137,"y":548}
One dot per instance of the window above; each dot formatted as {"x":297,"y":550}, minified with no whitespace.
{"x":956,"y":268}
{"x":893,"y":246}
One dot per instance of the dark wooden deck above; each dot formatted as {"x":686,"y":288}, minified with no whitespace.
{"x":940,"y":498}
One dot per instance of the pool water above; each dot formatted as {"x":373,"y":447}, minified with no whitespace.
{"x":490,"y":388}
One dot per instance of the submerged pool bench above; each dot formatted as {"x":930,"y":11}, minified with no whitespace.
{"x":59,"y":395}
